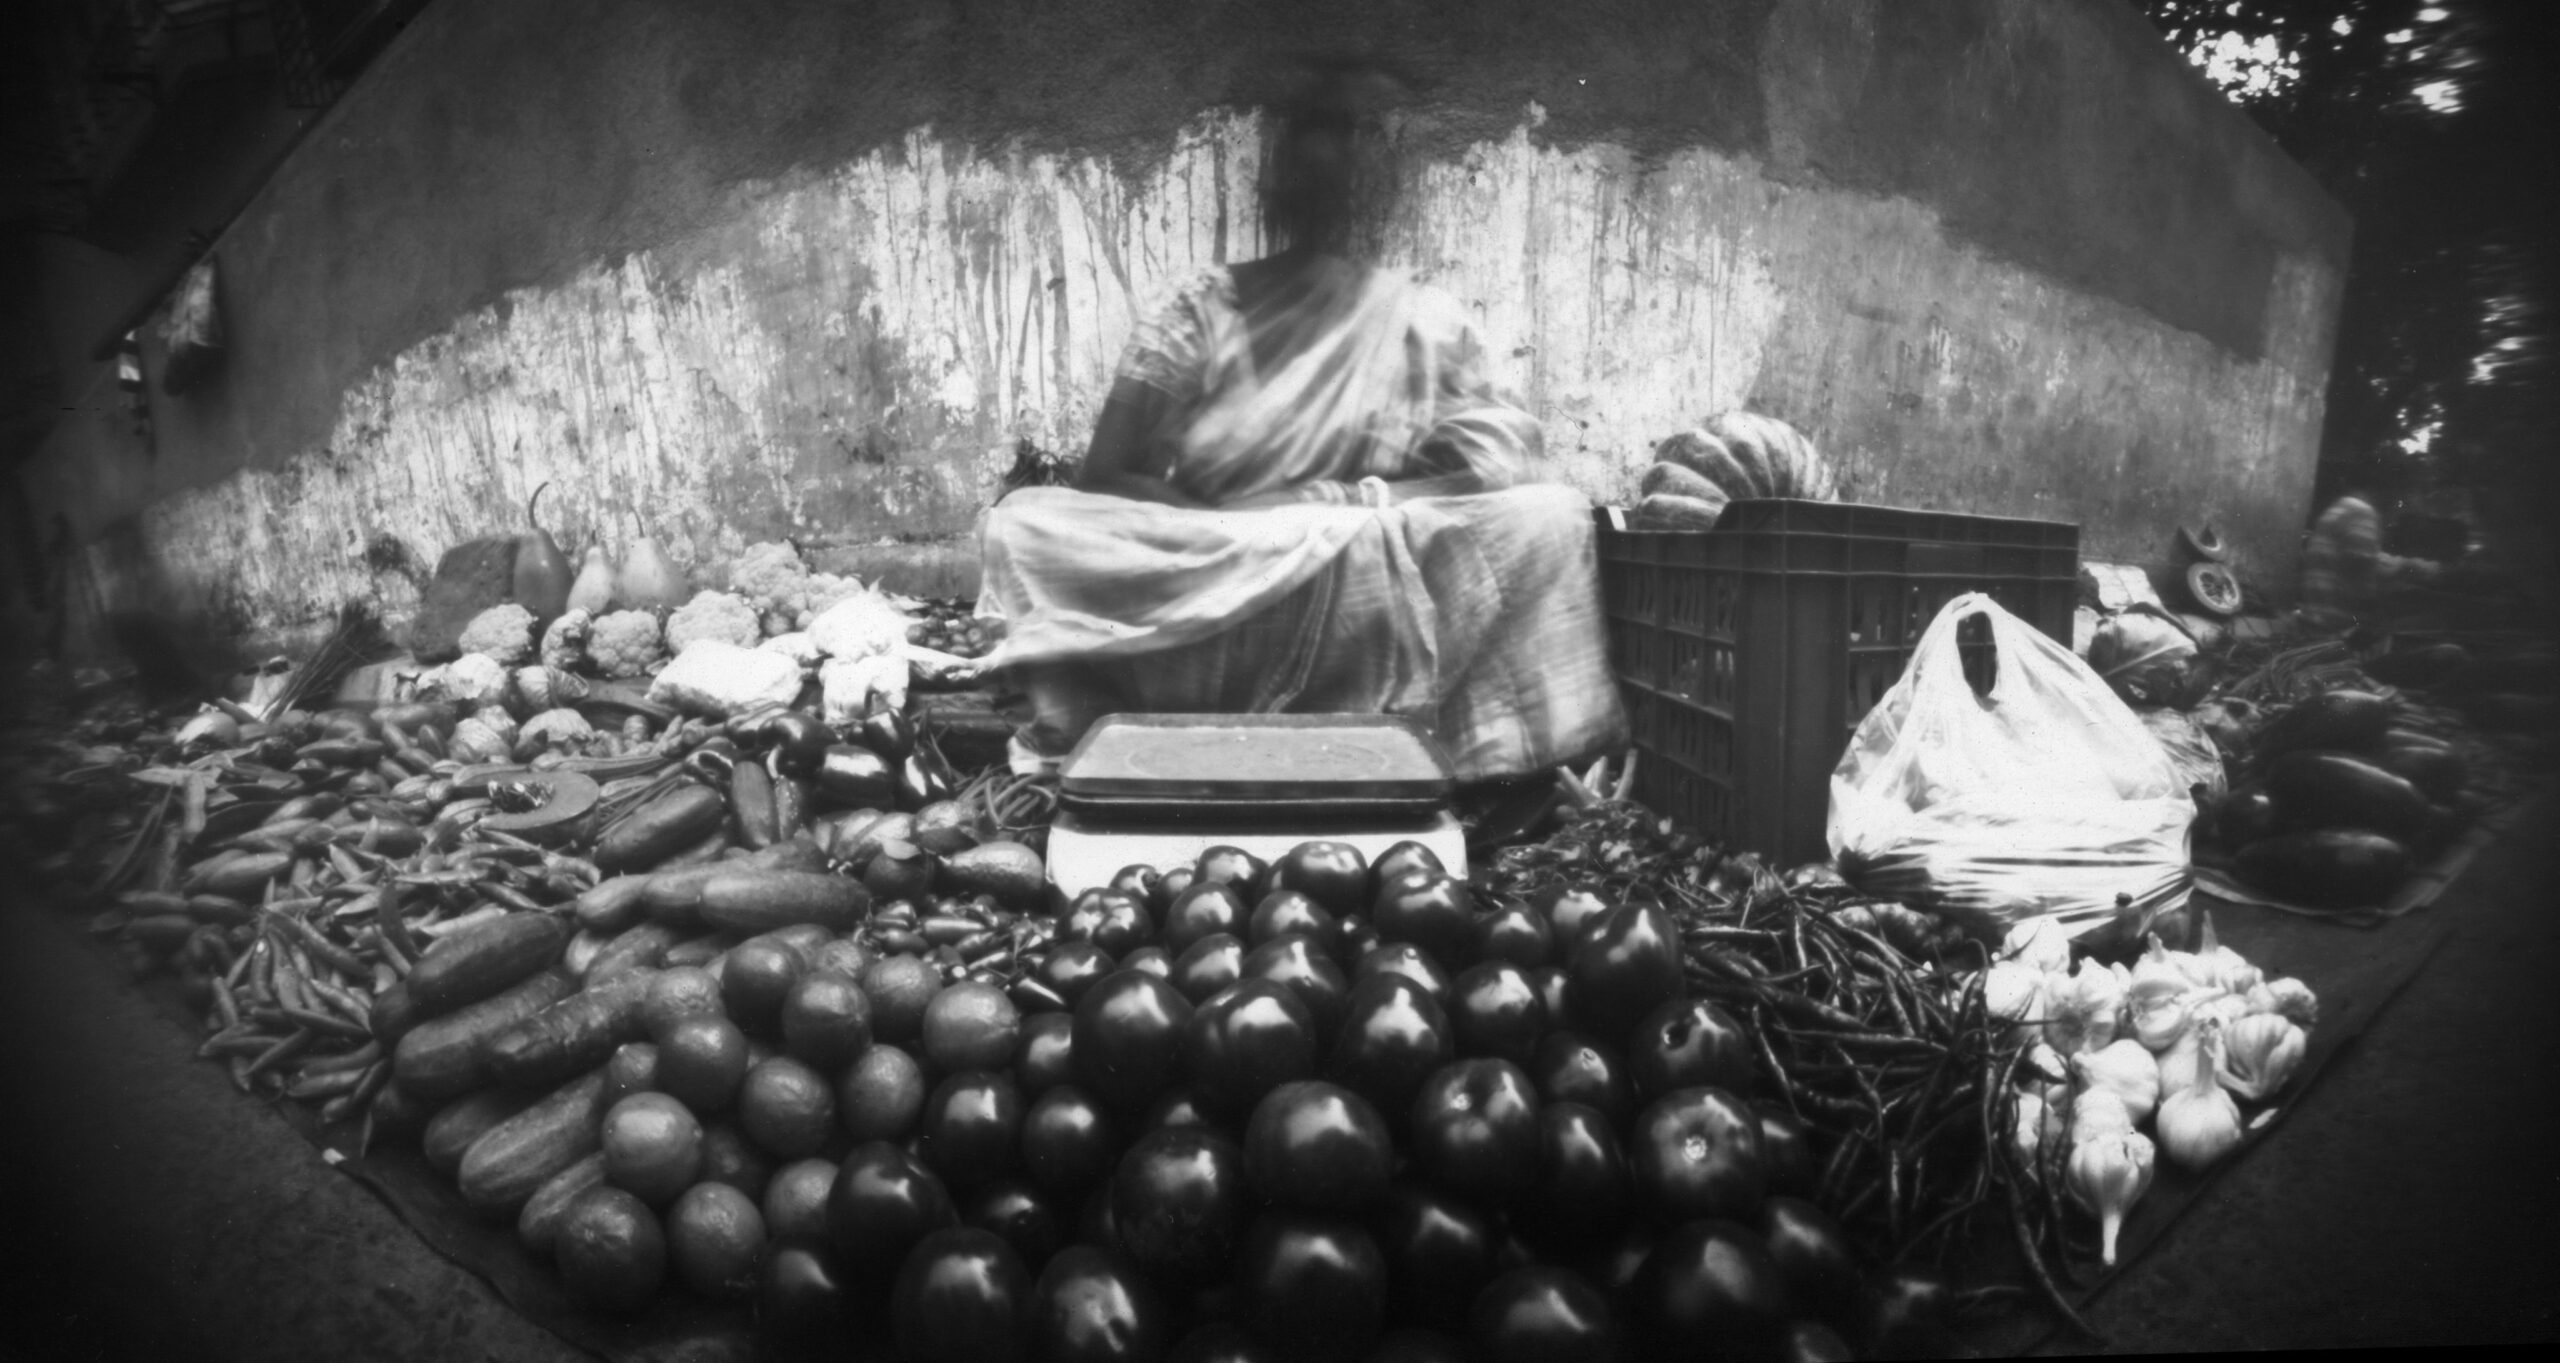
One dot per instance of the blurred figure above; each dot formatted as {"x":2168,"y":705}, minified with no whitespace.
{"x":1304,"y":495}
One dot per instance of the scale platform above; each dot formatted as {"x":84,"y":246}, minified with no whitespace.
{"x":1158,"y":790}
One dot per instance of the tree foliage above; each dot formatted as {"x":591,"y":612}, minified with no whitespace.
{"x":2429,"y":120}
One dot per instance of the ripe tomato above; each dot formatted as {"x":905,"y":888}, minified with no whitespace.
{"x":1293,"y":911}
{"x":883,"y":1202}
{"x":1433,"y":912}
{"x":1204,"y":909}
{"x":959,"y":1299}
{"x":1695,"y":1153}
{"x":1110,"y":919}
{"x":1247,"y":1040}
{"x":1570,"y":1067}
{"x":1091,"y":1305}
{"x":1295,"y":961}
{"x":1178,"y":1205}
{"x":1540,"y":1314}
{"x":1626,"y":964}
{"x":1475,"y":1129}
{"x":972,"y":1122}
{"x":1393,"y":1037}
{"x":1333,"y":874}
{"x":1689,"y":1043}
{"x":1318,"y":1147}
{"x":1069,"y":1143}
{"x":1496,"y":1012}
{"x":1208,"y":965}
{"x":1313,"y":1286}
{"x":1127,"y":1038}
{"x":1441,"y":1249}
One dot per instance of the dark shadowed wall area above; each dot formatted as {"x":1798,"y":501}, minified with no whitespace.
{"x":728,"y":270}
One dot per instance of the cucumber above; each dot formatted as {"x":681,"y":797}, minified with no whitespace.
{"x":470,"y":965}
{"x":661,"y":828}
{"x":457,"y":1124}
{"x":611,"y":904}
{"x":2314,"y":789}
{"x":637,"y":948}
{"x":2349,"y":721}
{"x":582,"y":949}
{"x":749,"y":900}
{"x":577,"y":1033}
{"x":443,"y":1058}
{"x":393,"y":1013}
{"x":676,"y":896}
{"x":539,"y":1223}
{"x":793,"y":854}
{"x":510,"y":1163}
{"x":2329,"y":868}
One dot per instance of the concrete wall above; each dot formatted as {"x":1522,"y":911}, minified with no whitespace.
{"x":729,"y":270}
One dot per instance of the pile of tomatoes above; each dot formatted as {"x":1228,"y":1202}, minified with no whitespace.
{"x":1326,"y":1109}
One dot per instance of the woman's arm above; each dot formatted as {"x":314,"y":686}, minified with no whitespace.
{"x":1117,"y":463}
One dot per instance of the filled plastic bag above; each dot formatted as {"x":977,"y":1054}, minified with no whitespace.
{"x":2042,"y":796}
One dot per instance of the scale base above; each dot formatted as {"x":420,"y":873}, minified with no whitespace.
{"x":1084,"y":855}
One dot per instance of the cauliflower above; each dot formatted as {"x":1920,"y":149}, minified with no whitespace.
{"x":716,"y":678}
{"x":716,"y":616}
{"x":799,"y":648}
{"x":860,"y":626}
{"x":503,"y":632}
{"x":827,"y":590}
{"x":473,"y":679}
{"x":626,"y":644}
{"x":564,"y":645}
{"x":772,"y":579}
{"x":565,"y":729}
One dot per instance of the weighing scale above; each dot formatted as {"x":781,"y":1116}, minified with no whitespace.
{"x":1158,"y":790}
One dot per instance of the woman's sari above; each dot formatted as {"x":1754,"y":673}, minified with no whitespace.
{"x":1475,"y":615}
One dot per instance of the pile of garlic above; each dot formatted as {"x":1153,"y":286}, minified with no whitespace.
{"x":2130,"y":1063}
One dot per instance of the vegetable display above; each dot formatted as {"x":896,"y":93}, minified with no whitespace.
{"x":692,"y":1018}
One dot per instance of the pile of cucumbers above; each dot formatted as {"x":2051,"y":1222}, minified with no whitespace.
{"x":2340,"y":799}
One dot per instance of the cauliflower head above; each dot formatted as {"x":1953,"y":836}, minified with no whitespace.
{"x":473,"y":679}
{"x":721,"y":616}
{"x":626,"y":644}
{"x":564,"y":645}
{"x":502,"y":632}
{"x":771,"y":577}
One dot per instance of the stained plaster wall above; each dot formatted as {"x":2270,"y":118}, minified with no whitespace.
{"x":731,"y":269}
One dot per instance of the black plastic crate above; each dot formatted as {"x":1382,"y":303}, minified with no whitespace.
{"x":1747,"y":654}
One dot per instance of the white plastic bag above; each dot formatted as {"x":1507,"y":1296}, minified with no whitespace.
{"x":2045,"y":797}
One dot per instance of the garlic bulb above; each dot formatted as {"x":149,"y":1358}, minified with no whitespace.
{"x":2046,"y":1064}
{"x":2259,"y":1053}
{"x":2125,"y":1069}
{"x":2108,"y":1175}
{"x":2027,"y":1135}
{"x":2228,"y":970}
{"x":2041,"y":943}
{"x":2294,"y":1000}
{"x":2200,"y":1123}
{"x":2087,"y":1007}
{"x":2159,"y":1021}
{"x":2156,"y":977}
{"x":2013,"y":990}
{"x":2178,"y":1063}
{"x":2098,"y":1112}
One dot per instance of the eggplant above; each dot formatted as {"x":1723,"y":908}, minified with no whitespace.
{"x":889,"y":733}
{"x":852,"y":775}
{"x":2329,"y":868}
{"x":2347,"y":720}
{"x":2240,"y":817}
{"x":2436,"y":770}
{"x":2319,"y":789}
{"x":2419,"y":667}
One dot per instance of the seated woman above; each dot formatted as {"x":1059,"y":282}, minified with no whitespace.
{"x":1303,"y":496}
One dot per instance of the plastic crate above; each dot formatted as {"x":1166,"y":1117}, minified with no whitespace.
{"x":1748,"y":654}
